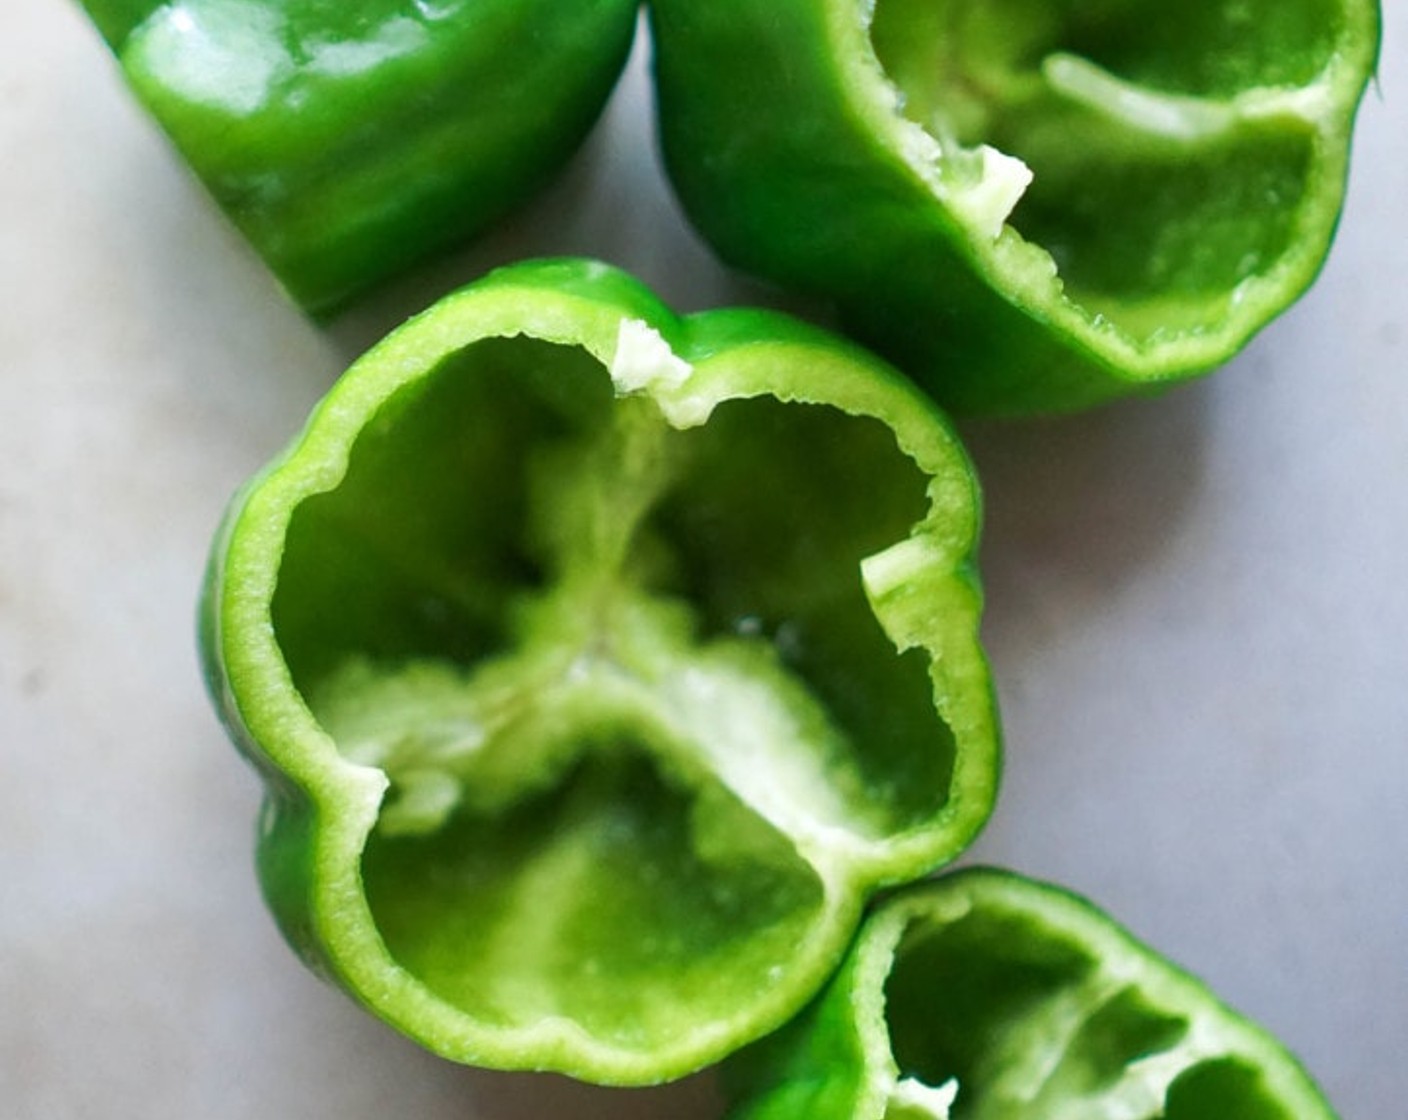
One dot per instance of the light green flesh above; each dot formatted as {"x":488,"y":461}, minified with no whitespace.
{"x":1169,"y":153}
{"x":619,"y":676}
{"x":1032,"y":1026}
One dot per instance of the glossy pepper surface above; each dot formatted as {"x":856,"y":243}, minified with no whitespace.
{"x":1031,"y":205}
{"x":985,"y":995}
{"x":349,"y":140}
{"x":601,"y":663}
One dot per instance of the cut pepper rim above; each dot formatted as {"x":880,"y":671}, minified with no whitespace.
{"x":276,"y":729}
{"x":1013,"y":265}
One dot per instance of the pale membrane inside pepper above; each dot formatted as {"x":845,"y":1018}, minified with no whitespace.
{"x":1157,"y":153}
{"x":636,"y":712}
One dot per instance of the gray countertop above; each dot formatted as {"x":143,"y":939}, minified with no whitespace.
{"x":1198,"y":618}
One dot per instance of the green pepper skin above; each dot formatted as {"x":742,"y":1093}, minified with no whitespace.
{"x":1030,"y":206}
{"x":600,"y":664}
{"x":350,"y":141}
{"x":984,"y":994}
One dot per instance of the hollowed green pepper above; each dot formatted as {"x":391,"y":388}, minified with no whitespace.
{"x":600,"y":664}
{"x":350,"y":140}
{"x":1028,"y":205}
{"x":988,"y":996}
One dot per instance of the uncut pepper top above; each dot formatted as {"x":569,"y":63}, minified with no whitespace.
{"x":351,"y":141}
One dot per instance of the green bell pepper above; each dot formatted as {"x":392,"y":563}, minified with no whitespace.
{"x":601,"y":664}
{"x":1028,"y":206}
{"x":349,"y":141}
{"x":987,"y":996}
